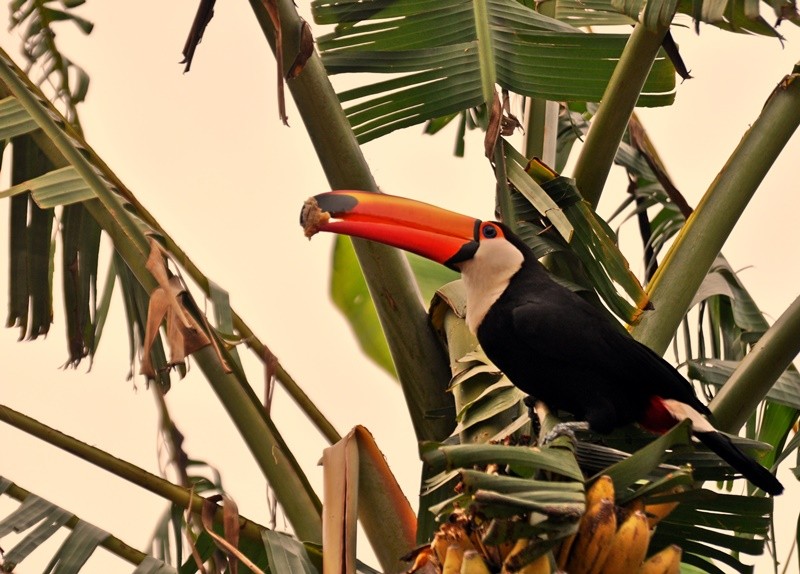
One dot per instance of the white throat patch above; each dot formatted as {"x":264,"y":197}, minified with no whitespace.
{"x":486,"y":275}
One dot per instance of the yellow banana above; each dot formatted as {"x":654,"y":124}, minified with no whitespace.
{"x":452,"y":560}
{"x":518,"y":563}
{"x":563,"y":551}
{"x":629,"y":546}
{"x":503,"y":550}
{"x":450,"y":534}
{"x":473,"y":563}
{"x":511,"y":562}
{"x":539,"y":566}
{"x":592,"y":543}
{"x":668,"y":561}
{"x":657,"y":512}
{"x":602,"y":487}
{"x":634,"y":505}
{"x":421,"y":560}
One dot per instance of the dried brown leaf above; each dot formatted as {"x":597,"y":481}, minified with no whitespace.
{"x":493,"y":127}
{"x":509,"y":122}
{"x":340,"y":472}
{"x":198,"y":560}
{"x":641,"y":141}
{"x":305,"y":49}
{"x":358,"y":481}
{"x":205,"y":11}
{"x":230,"y":521}
{"x":157,"y":265}
{"x":184,"y":333}
{"x":271,"y":6}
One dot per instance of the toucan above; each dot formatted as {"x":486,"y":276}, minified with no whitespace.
{"x":550,"y":342}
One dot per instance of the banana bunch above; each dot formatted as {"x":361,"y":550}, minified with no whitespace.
{"x":614,"y":540}
{"x":457,"y":548}
{"x":610,"y":540}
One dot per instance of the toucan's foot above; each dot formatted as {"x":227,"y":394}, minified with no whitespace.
{"x":565,"y":429}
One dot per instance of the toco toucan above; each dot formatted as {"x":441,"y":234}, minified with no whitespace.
{"x":550,"y":342}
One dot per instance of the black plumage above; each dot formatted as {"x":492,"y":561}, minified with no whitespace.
{"x":562,"y":350}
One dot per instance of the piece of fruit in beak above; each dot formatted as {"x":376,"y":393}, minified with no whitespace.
{"x":438,"y":234}
{"x":312,"y":218}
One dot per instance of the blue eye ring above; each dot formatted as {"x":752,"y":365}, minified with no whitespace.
{"x":489,"y":231}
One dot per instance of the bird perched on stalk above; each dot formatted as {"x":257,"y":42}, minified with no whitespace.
{"x":550,"y":342}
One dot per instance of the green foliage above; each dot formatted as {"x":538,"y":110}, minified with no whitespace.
{"x":442,"y":74}
{"x":350,"y":294}
{"x":37,"y":19}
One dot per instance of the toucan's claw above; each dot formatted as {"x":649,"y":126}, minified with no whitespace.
{"x":564,"y":429}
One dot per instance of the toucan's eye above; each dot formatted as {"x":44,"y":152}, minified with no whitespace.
{"x":490,"y":231}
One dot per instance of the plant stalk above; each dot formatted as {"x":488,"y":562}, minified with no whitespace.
{"x":480,"y":12}
{"x":609,"y":123}
{"x":689,"y":258}
{"x":276,"y":461}
{"x":180,"y":496}
{"x":758,"y":371}
{"x":541,"y":130}
{"x":389,"y":278}
{"x":111,"y":543}
{"x":251,"y":340}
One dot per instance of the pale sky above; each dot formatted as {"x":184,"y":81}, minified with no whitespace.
{"x":208,"y":156}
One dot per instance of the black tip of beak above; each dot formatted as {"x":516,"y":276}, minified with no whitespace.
{"x":336,"y":202}
{"x":331,"y":203}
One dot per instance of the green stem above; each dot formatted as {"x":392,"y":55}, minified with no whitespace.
{"x":180,"y":256}
{"x":389,"y":277}
{"x":609,"y":123}
{"x":276,"y":461}
{"x":541,"y":123}
{"x":180,"y":496}
{"x":505,"y":204}
{"x":687,"y":262}
{"x":485,"y":50}
{"x":541,"y":131}
{"x":751,"y":381}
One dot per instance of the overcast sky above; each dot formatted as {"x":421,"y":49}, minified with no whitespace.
{"x":207,"y":154}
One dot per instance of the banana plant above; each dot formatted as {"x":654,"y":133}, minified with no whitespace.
{"x":451,"y":75}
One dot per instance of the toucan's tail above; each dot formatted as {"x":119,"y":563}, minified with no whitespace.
{"x":716,"y":441}
{"x":731,"y":454}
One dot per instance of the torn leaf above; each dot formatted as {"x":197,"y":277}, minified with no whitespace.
{"x":184,"y":334}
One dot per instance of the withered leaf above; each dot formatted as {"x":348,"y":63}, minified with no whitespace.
{"x":305,"y":49}
{"x":271,"y":6}
{"x":205,"y":11}
{"x":230,"y":522}
{"x":641,"y":141}
{"x":509,"y":121}
{"x":674,"y":54}
{"x":184,"y":333}
{"x":493,"y":128}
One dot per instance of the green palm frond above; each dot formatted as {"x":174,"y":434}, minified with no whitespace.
{"x":442,"y":61}
{"x":120,"y":215}
{"x":740,"y":17}
{"x":41,"y":520}
{"x":707,"y":521}
{"x":36,"y":20}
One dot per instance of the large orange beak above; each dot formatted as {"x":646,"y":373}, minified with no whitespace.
{"x":438,"y":234}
